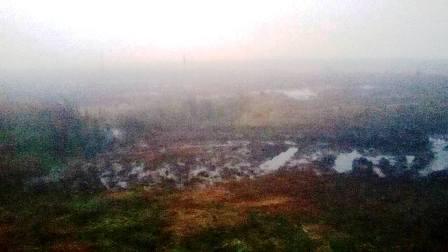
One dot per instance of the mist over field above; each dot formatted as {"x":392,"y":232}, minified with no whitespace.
{"x":223,"y":125}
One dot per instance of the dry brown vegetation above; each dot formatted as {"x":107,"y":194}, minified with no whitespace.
{"x":228,"y":204}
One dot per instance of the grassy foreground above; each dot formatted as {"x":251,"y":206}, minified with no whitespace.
{"x":283,"y":212}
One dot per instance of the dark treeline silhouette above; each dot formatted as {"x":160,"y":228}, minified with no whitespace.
{"x":36,"y":139}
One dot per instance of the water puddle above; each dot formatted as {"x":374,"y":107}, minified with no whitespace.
{"x":278,"y":161}
{"x":440,"y":161}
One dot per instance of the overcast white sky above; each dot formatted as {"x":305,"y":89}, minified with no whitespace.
{"x":50,"y":34}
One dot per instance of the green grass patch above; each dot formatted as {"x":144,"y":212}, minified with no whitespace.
{"x":260,"y":232}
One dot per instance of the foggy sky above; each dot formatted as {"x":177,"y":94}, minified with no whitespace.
{"x":48,"y":36}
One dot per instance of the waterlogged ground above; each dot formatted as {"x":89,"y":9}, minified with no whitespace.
{"x":209,"y":162}
{"x":344,"y":159}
